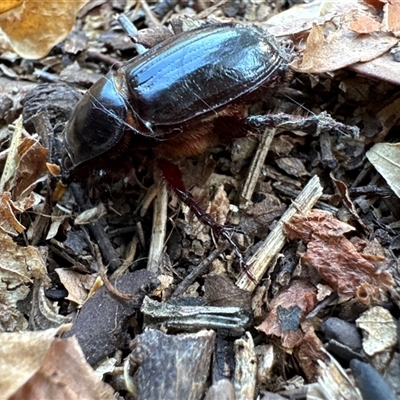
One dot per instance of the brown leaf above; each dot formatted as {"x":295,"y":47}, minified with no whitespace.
{"x":220,"y":291}
{"x":391,"y":18}
{"x":375,"y":3}
{"x":77,"y":284}
{"x":364,"y":24}
{"x":309,"y":354}
{"x":26,"y":348}
{"x":344,"y":193}
{"x":34,"y":27}
{"x":288,"y":309}
{"x":329,"y":50}
{"x":219,"y":207}
{"x":8,"y":221}
{"x":305,"y":226}
{"x":9,"y":209}
{"x":31,"y":168}
{"x":19,"y":266}
{"x":333,"y":256}
{"x":49,"y":368}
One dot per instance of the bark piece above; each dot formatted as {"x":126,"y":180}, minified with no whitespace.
{"x":193,"y":317}
{"x":171,"y":367}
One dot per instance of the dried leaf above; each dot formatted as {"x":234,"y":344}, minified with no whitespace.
{"x":391,"y":18}
{"x":25,"y":166}
{"x":91,"y":215}
{"x":26,"y":348}
{"x":35,"y":365}
{"x":309,"y":354}
{"x":298,"y":300}
{"x":219,"y":291}
{"x":31,"y":168}
{"x":34,"y":27}
{"x":365,"y":24}
{"x":13,"y":156}
{"x":78,"y":285}
{"x":8,"y":221}
{"x":7,"y":5}
{"x":379,"y":330}
{"x":325,"y":45}
{"x":333,"y":256}
{"x":219,"y":207}
{"x":18,"y":267}
{"x":344,"y":193}
{"x":385,"y":157}
{"x":9,"y":209}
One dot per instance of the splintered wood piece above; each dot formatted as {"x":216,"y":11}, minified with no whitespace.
{"x":246,"y":368}
{"x":171,"y":367}
{"x":258,"y":264}
{"x":257,"y":164}
{"x":158,"y":233}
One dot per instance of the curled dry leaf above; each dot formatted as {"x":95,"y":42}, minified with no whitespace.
{"x":36,"y":365}
{"x":338,"y":34}
{"x":376,"y":3}
{"x":333,"y":256}
{"x":34,"y":27}
{"x":19,"y":266}
{"x":25,"y":167}
{"x":344,"y":193}
{"x":78,"y":285}
{"x":8,"y":211}
{"x":298,"y":300}
{"x":321,"y":54}
{"x":30,"y":170}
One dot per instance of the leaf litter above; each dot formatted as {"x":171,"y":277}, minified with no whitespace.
{"x":333,"y":259}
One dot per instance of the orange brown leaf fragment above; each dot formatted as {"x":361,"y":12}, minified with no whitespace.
{"x":365,"y":24}
{"x":8,"y":211}
{"x":34,"y":27}
{"x":309,"y":353}
{"x":333,"y":256}
{"x":299,"y":298}
{"x":7,"y":5}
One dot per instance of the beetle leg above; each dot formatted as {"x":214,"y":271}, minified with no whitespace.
{"x":173,"y":176}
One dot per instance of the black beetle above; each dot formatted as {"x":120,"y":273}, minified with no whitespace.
{"x":182,"y":96}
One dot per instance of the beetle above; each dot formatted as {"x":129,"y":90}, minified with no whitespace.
{"x":184,"y":95}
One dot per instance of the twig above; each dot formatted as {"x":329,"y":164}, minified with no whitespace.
{"x":256,"y":166}
{"x":158,"y":233}
{"x":197,"y":271}
{"x":97,"y":230}
{"x":273,"y":244}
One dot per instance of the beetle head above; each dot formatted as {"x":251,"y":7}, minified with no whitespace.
{"x":97,"y":125}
